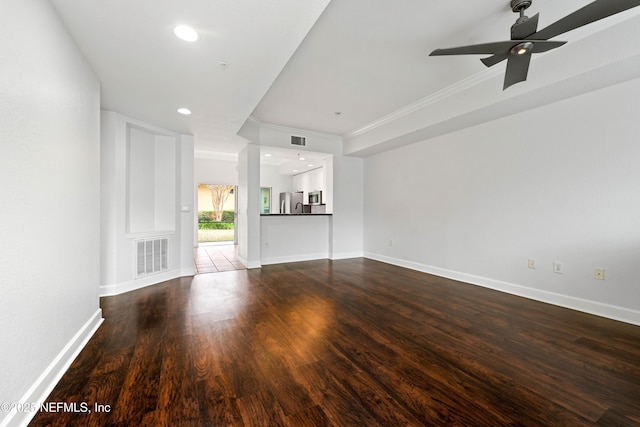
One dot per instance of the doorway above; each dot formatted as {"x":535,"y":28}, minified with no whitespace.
{"x":216,"y":213}
{"x":265,"y":200}
{"x":212,"y":258}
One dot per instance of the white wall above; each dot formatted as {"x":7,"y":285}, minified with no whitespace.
{"x":348,"y":205}
{"x":215,"y":171}
{"x":134,"y":153}
{"x":50,"y":216}
{"x":141,"y":182}
{"x":294,"y":238}
{"x":151,"y":171}
{"x":187,"y":208}
{"x":557,"y":183}
{"x":248,"y":229}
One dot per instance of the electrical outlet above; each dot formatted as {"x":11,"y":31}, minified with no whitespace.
{"x":598,"y":273}
{"x":531,"y":263}
{"x":266,"y":244}
{"x":558,"y":267}
{"x":391,"y":243}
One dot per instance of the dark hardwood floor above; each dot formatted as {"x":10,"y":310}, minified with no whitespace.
{"x":348,"y":343}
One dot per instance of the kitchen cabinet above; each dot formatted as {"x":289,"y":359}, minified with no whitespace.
{"x":301,"y":182}
{"x":313,"y":180}
{"x":316,"y":180}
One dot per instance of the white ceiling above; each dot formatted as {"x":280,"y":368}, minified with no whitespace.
{"x":367,"y":60}
{"x":364,"y":59}
{"x":147,"y":73}
{"x":290,"y":161}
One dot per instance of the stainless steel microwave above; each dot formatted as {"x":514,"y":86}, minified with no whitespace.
{"x":315,"y":197}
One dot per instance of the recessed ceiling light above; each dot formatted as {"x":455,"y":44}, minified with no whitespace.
{"x":295,"y":170}
{"x":310,"y":166}
{"x":185,"y":33}
{"x":184,"y":111}
{"x":302,"y":158}
{"x":267,"y":155}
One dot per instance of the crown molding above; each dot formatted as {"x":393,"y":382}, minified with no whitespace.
{"x":434,"y":98}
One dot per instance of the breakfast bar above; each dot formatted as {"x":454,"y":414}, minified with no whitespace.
{"x":294,"y":237}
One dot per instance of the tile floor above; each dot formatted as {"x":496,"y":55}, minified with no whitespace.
{"x":214,"y":258}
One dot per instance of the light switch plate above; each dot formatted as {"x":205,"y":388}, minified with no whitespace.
{"x":558,"y":267}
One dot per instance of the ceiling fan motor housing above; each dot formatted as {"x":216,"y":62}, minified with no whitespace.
{"x":520,"y":5}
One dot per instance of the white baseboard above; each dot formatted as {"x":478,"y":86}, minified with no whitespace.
{"x":43,"y":386}
{"x":346,"y":255}
{"x":303,"y":257}
{"x":185,"y":272}
{"x":249,"y":265}
{"x":293,"y":258}
{"x":587,"y":306}
{"x":142,"y":282}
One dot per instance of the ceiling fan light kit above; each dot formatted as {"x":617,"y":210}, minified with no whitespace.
{"x":521,"y":48}
{"x":527,"y":40}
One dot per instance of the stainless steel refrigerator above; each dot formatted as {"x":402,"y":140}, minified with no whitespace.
{"x":291,"y":203}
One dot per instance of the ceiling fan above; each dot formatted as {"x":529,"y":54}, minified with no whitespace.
{"x":527,"y":40}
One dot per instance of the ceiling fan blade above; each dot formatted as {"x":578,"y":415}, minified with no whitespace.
{"x":493,"y":60}
{"x":524,"y":30}
{"x":540,"y":46}
{"x":477,"y":49}
{"x":502,"y":50}
{"x":592,"y":12}
{"x":517,"y":69}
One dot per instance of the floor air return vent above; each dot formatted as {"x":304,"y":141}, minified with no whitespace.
{"x":151,"y":256}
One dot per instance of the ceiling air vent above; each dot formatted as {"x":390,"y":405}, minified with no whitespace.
{"x":298,"y":140}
